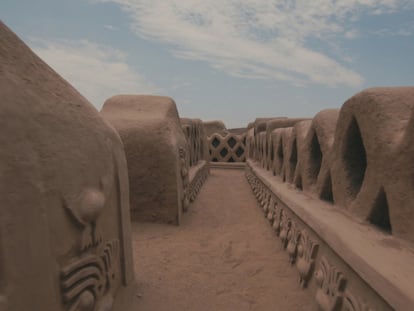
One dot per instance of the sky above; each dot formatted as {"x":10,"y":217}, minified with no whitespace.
{"x":230,"y":60}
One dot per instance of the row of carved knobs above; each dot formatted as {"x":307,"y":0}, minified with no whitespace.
{"x":331,"y":294}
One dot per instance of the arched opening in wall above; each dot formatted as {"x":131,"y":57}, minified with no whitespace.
{"x":354,"y":158}
{"x":380,"y":215}
{"x":315,"y":157}
{"x":280,"y":154}
{"x":326,"y":191}
{"x":293,"y":160}
{"x":231,"y":160}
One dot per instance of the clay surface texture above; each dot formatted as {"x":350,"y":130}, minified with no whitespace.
{"x":153,"y":139}
{"x":65,"y":240}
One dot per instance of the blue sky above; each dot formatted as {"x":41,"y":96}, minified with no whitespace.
{"x":233,"y":60}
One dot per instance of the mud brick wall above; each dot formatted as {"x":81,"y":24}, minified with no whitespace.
{"x":355,"y":157}
{"x":65,"y":238}
{"x":197,"y":167}
{"x":196,"y":137}
{"x":157,"y":154}
{"x":335,"y":188}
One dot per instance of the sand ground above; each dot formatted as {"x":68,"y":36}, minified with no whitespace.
{"x":223,"y":257}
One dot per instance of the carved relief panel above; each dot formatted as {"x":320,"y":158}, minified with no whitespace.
{"x":352,"y":303}
{"x":277,"y":219}
{"x":184,"y":171}
{"x":331,"y":283}
{"x":293,"y":240}
{"x":307,"y":251}
{"x":285,"y":226}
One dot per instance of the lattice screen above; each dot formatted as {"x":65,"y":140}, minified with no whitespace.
{"x":229,"y":148}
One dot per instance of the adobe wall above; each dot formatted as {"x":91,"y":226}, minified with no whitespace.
{"x":196,"y":168}
{"x":216,"y":126}
{"x":157,"y":153}
{"x":339,"y":196}
{"x":196,"y":136}
{"x":65,"y":240}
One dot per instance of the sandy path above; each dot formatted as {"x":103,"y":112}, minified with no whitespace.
{"x":223,"y":257}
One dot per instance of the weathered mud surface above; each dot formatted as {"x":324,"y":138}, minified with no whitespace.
{"x":223,"y":257}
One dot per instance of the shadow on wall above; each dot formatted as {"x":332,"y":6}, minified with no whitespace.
{"x":356,"y":158}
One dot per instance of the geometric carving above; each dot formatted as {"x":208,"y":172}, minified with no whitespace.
{"x":270,"y":216}
{"x":197,"y":182}
{"x":260,"y":193}
{"x":265,"y":198}
{"x":293,"y":238}
{"x":185,"y":201}
{"x":285,"y":225}
{"x":271,"y":211}
{"x":265,"y":201}
{"x":239,"y":152}
{"x":215,"y":142}
{"x":268,"y":206}
{"x":353,"y":304}
{"x":307,"y":251}
{"x":331,"y":283}
{"x":231,"y":142}
{"x":228,"y":148}
{"x":224,"y":152}
{"x":277,"y":217}
{"x":85,"y":283}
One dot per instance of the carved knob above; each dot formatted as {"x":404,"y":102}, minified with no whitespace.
{"x":319,"y":277}
{"x":86,"y":301}
{"x":91,"y":205}
{"x":300,"y":250}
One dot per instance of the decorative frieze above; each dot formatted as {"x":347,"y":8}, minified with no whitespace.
{"x":285,"y":226}
{"x":293,"y":240}
{"x":331,"y":285}
{"x":86,"y":281}
{"x":352,"y":303}
{"x":307,"y":250}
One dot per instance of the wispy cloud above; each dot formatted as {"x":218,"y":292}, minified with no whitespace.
{"x":258,"y":38}
{"x":404,"y":31}
{"x":110,"y":27}
{"x":98,"y":72}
